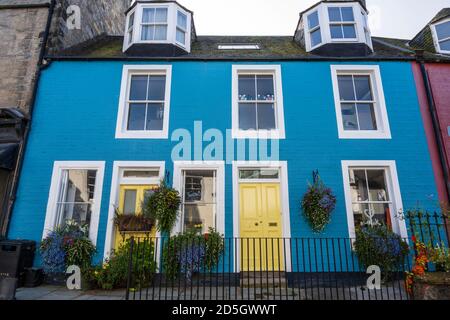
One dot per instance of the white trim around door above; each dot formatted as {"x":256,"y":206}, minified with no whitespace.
{"x":284,"y":189}
{"x":118,"y":168}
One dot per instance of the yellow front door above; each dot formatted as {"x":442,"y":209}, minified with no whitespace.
{"x":131,"y":198}
{"x":260,"y":227}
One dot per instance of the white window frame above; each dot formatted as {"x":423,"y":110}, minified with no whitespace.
{"x":311,"y":30}
{"x":117,"y":180}
{"x":393,"y":186}
{"x":154,"y":24}
{"x":172,"y":11}
{"x":282,"y":166}
{"x":185,"y":31}
{"x":274,"y":70}
{"x":219,"y":167}
{"x":324,"y":21}
{"x":383,"y":129}
{"x":122,"y":117}
{"x":436,"y":40}
{"x":343,"y":23}
{"x":58,"y":168}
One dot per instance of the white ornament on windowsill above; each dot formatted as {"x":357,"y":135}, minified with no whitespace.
{"x":370,"y":218}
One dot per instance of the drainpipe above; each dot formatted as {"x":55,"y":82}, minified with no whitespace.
{"x":435,"y":121}
{"x":40,"y":67}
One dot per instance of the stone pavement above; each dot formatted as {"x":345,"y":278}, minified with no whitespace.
{"x":61,"y":293}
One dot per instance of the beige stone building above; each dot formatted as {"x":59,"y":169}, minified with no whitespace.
{"x":29,"y":29}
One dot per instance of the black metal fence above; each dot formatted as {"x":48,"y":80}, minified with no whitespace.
{"x":272,"y":268}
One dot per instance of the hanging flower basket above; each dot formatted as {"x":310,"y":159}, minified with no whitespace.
{"x":317,"y":205}
{"x":133,"y":223}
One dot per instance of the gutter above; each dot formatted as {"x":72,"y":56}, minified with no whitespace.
{"x":435,"y":121}
{"x":40,"y":67}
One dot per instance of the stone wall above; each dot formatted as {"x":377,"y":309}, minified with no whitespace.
{"x":21,"y":32}
{"x":97,"y":17}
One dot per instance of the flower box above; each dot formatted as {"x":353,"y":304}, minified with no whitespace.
{"x":432,"y":286}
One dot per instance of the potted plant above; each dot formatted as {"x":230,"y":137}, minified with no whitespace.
{"x":133,"y":222}
{"x":63,"y":247}
{"x":423,"y":285}
{"x":318,"y":203}
{"x":163,"y":206}
{"x":379,"y":245}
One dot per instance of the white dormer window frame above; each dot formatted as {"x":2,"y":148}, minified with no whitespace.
{"x":436,"y":40}
{"x":359,"y":22}
{"x":134,"y":31}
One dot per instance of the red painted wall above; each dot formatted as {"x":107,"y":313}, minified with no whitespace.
{"x":439,"y":75}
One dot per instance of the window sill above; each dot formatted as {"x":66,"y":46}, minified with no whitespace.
{"x":142,"y":135}
{"x":261,"y":135}
{"x":365,"y":135}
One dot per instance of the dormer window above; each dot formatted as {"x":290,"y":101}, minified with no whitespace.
{"x":441,"y":34}
{"x":335,"y":23}
{"x":158,"y":23}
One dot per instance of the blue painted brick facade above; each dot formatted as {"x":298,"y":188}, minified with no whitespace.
{"x":76,"y":112}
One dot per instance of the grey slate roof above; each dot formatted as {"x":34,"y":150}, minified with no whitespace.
{"x":424,"y":39}
{"x":206,"y":48}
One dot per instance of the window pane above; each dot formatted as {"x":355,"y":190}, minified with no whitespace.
{"x":334,"y":14}
{"x":259,"y":174}
{"x":349,"y":120}
{"x":443,"y":30}
{"x":148,"y":15}
{"x":336,"y":31}
{"x":266,"y":116}
{"x":445,"y":45}
{"x":131,"y":21}
{"x":247,"y":89}
{"x":366,"y":117}
{"x":358,"y":185}
{"x":313,"y":20}
{"x":316,"y":38}
{"x":77,"y":194}
{"x":265,"y":88}
{"x":136,"y":116}
{"x":138,"y":87}
{"x":160,"y":32}
{"x":181,"y":36}
{"x":157,"y":88}
{"x":349,"y":31}
{"x":155,"y":116}
{"x":346,"y":91}
{"x":147,"y":32}
{"x":360,"y":212}
{"x":362,"y":88}
{"x":77,"y":212}
{"x":379,"y":213}
{"x":161,"y":15}
{"x":141,"y":173}
{"x":182,"y":20}
{"x":247,"y":116}
{"x":129,"y":203}
{"x":377,"y":185}
{"x":347,"y":14}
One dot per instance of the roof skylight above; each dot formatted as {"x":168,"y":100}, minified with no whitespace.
{"x":237,"y":46}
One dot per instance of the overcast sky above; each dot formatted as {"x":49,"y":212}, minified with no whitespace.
{"x":388,"y":18}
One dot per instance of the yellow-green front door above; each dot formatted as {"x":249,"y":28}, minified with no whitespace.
{"x":131,"y":198}
{"x":260,"y":227}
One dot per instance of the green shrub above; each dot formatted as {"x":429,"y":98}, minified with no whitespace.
{"x":114,"y":272}
{"x":379,"y":246}
{"x":192,"y":252}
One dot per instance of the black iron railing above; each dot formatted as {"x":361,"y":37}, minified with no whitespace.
{"x":269,"y":268}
